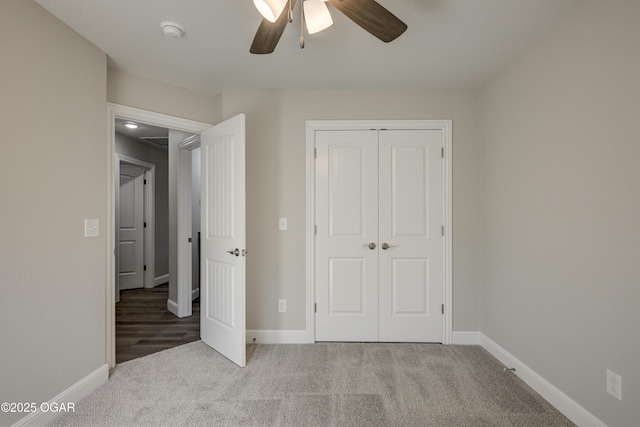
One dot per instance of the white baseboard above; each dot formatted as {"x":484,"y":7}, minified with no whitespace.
{"x":74,"y":394}
{"x":277,"y":337}
{"x":563,"y":403}
{"x":466,"y":337}
{"x":195,"y":293}
{"x":172,"y":306}
{"x":160,"y":280}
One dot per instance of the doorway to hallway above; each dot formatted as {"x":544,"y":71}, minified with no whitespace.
{"x":180,"y":127}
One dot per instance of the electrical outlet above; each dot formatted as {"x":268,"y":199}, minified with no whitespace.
{"x":282,"y":306}
{"x":614,"y":384}
{"x":282,"y":224}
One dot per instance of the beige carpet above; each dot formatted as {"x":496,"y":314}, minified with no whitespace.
{"x":316,"y":385}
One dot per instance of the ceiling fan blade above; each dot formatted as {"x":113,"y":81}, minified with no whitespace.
{"x":268,"y":34}
{"x":371,"y":16}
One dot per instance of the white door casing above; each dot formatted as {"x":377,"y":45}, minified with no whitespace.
{"x":131,"y":228}
{"x":186,"y":239}
{"x":415,"y":269}
{"x":223,"y":241}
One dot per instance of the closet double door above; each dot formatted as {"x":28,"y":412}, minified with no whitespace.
{"x":379,"y":239}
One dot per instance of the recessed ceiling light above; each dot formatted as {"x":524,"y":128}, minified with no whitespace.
{"x":131,"y":125}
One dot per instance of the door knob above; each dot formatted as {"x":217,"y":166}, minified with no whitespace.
{"x":371,"y":246}
{"x":386,"y":246}
{"x":235,"y":252}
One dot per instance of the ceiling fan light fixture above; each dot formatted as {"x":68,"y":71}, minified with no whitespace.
{"x":270,"y":9}
{"x":370,"y":15}
{"x":316,"y":16}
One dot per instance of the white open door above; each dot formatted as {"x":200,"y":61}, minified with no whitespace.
{"x":222,"y":317}
{"x":131,"y":228}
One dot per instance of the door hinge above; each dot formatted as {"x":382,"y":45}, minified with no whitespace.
{"x":145,"y":268}
{"x":190,"y":240}
{"x":145,"y":182}
{"x":315,"y":153}
{"x":442,"y":152}
{"x":442,"y":230}
{"x":315,"y":230}
{"x":145,"y":224}
{"x":315,"y":307}
{"x":442,"y":308}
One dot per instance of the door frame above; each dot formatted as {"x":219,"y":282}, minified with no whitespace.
{"x":316,"y":125}
{"x":149,"y":259}
{"x":143,"y":116}
{"x":184,"y":307}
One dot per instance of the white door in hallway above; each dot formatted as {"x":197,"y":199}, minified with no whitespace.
{"x":131,"y":228}
{"x":379,"y":247}
{"x":223,"y":247}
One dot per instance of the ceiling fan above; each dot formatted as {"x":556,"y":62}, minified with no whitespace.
{"x":368,"y":14}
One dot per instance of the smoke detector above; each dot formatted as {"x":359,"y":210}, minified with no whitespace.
{"x":172,"y":30}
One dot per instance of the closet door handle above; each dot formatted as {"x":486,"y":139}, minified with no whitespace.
{"x":386,"y":246}
{"x":371,"y":246}
{"x":235,"y":252}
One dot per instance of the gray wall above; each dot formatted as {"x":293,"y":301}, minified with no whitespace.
{"x":160,"y":158}
{"x":276,"y":176}
{"x":561,"y":207}
{"x":140,"y":92}
{"x":52,"y":177}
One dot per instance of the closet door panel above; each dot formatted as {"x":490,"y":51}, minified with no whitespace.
{"x":411,"y":216}
{"x":347,"y":223}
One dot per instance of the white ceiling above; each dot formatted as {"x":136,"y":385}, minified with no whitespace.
{"x":448,"y":44}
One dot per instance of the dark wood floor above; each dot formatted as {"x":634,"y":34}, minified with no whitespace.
{"x":144,"y":326}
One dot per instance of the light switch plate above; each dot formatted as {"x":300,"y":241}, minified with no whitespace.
{"x":91,"y":228}
{"x":282,"y":224}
